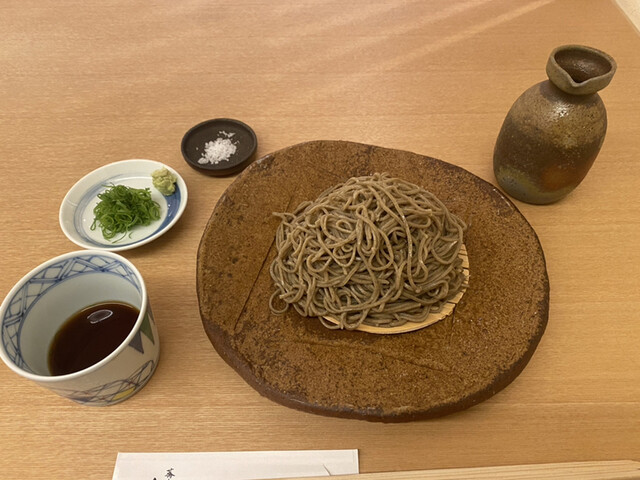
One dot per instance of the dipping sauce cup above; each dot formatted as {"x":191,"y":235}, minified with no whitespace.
{"x":44,"y":299}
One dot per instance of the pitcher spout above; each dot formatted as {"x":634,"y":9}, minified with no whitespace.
{"x":580,"y":70}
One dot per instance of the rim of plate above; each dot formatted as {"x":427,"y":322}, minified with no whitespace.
{"x":77,"y":197}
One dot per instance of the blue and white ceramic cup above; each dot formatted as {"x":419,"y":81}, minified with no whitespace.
{"x":46,"y":297}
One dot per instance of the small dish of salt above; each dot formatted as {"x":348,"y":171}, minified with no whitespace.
{"x":219,"y":147}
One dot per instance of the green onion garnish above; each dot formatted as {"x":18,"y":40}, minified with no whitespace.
{"x":121,"y":208}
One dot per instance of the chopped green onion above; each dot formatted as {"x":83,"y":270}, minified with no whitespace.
{"x":121,"y":208}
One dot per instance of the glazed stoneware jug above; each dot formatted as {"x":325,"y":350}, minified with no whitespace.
{"x":555,"y":129}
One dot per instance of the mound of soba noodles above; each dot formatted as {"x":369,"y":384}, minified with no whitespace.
{"x":374,"y":250}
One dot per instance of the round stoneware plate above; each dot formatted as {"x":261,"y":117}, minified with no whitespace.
{"x":76,"y":211}
{"x":453,"y":364}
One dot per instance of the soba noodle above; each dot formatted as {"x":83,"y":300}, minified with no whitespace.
{"x":375,"y":250}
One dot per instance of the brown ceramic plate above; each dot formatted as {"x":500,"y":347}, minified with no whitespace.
{"x":449,"y":366}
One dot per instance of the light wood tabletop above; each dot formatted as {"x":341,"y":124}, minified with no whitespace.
{"x":88,"y":83}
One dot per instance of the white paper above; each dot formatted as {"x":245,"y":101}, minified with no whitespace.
{"x":235,"y":465}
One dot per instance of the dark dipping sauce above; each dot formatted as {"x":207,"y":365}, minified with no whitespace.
{"x":90,"y":335}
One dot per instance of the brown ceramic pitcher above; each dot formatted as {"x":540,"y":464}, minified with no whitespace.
{"x":554,"y":130}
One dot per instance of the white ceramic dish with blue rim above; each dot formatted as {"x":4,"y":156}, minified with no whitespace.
{"x":76,"y":211}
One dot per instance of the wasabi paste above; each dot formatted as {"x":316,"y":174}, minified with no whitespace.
{"x":164,"y":181}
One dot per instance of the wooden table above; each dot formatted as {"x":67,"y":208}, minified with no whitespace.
{"x":82,"y":86}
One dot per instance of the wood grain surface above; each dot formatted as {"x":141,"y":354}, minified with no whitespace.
{"x":86,"y":83}
{"x":611,"y":470}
